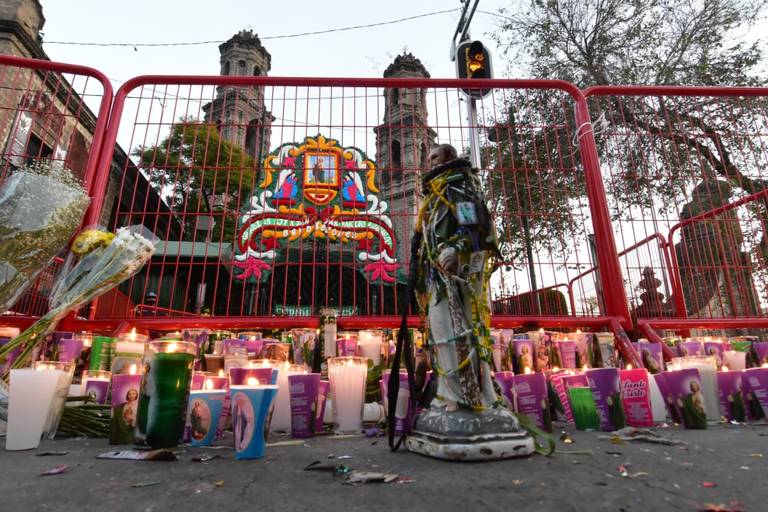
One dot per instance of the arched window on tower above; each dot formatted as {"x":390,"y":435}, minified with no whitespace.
{"x":253,"y":137}
{"x":256,"y":71}
{"x":395,"y":96}
{"x":241,"y":63}
{"x":225,"y":69}
{"x":396,"y":161}
{"x":423,"y":160}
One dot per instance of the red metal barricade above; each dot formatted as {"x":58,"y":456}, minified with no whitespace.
{"x":275,"y":198}
{"x":686,"y":166}
{"x":56,"y":113}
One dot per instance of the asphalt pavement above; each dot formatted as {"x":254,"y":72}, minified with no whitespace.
{"x":725,"y":465}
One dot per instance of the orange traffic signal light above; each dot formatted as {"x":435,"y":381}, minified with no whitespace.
{"x":473,"y":60}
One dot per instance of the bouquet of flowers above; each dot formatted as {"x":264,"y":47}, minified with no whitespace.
{"x":106,"y":261}
{"x":40,"y":207}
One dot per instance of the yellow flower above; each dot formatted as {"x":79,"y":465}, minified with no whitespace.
{"x":90,"y":239}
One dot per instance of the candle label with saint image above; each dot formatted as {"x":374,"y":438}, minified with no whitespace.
{"x":506,"y":382}
{"x":531,"y":396}
{"x":690,"y":348}
{"x":203,"y":414}
{"x":760,"y":353}
{"x":346,"y":347}
{"x":250,"y":407}
{"x":322,"y":396}
{"x":523,"y":355}
{"x":276,"y":350}
{"x":164,"y":392}
{"x":757,"y":378}
{"x":731,"y":399}
{"x":96,"y":386}
{"x":636,"y":397}
{"x":303,"y":344}
{"x":303,"y":390}
{"x":651,"y":355}
{"x":125,"y":408}
{"x":584,"y":355}
{"x":714,"y":349}
{"x":606,"y":391}
{"x":686,"y":391}
{"x":404,"y":414}
{"x":542,"y":349}
{"x":567,"y":350}
{"x":70,"y":349}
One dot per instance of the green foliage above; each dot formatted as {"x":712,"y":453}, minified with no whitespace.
{"x":192,"y":164}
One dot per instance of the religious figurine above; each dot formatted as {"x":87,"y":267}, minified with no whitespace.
{"x":457,"y":248}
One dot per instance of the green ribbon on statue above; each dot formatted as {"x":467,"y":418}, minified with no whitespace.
{"x":535,"y":432}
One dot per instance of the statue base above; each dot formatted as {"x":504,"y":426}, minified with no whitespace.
{"x":464,"y":435}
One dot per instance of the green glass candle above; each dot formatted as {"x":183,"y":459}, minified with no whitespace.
{"x":164,"y":393}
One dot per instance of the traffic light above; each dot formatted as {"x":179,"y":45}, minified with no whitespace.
{"x":473,"y":60}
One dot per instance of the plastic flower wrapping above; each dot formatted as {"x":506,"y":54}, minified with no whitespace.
{"x":105,"y":262}
{"x":41,"y":206}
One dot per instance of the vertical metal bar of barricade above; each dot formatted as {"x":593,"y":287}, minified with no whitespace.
{"x":615,"y":297}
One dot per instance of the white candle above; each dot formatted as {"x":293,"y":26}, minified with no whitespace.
{"x":347,"y":376}
{"x":31,"y":397}
{"x":734,"y":359}
{"x":369,"y":343}
{"x":64,"y":372}
{"x":707,"y":366}
{"x":281,"y":416}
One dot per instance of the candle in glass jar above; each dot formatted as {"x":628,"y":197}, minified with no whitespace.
{"x":235,"y":357}
{"x":251,"y":403}
{"x":370,"y":345}
{"x":164,"y":392}
{"x":281,"y":416}
{"x":347,"y":376}
{"x":757,"y":378}
{"x":65,"y":372}
{"x":31,"y":397}
{"x":96,"y":385}
{"x":707,"y":367}
{"x":125,"y":406}
{"x":129,"y":350}
{"x":735,"y":360}
{"x":205,"y":406}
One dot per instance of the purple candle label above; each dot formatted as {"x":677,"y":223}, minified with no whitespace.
{"x":523,"y":355}
{"x":583,"y":348}
{"x":761,"y":352}
{"x":690,"y":348}
{"x":606,"y":391}
{"x":404,"y":414}
{"x":757,"y":378}
{"x":506,"y":382}
{"x":531,"y":391}
{"x":346,"y":346}
{"x":254,"y":347}
{"x":203,"y":416}
{"x":11,"y":356}
{"x":125,"y":406}
{"x":198,"y":380}
{"x":559,"y":386}
{"x":636,"y":397}
{"x":729,"y":393}
{"x":685,"y":389}
{"x":96,"y":390}
{"x":303,"y":391}
{"x":578,"y":380}
{"x":240,"y":376}
{"x":651,"y":355}
{"x":714,"y":349}
{"x":567,"y":349}
{"x":70,"y":350}
{"x":322,"y":394}
{"x":233,"y":342}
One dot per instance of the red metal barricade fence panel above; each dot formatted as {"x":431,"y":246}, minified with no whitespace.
{"x":274,"y":198}
{"x":54,"y":113}
{"x":686,"y":167}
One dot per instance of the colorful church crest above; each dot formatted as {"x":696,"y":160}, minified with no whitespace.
{"x":316,"y":189}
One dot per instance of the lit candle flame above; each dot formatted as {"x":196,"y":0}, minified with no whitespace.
{"x":555,"y":368}
{"x":527,"y":370}
{"x":132,"y":370}
{"x":132,"y":335}
{"x":172,"y":347}
{"x":253,"y":381}
{"x":208,"y":384}
{"x":629,"y":366}
{"x":585,"y":367}
{"x":764,"y":365}
{"x":578,"y":331}
{"x":221,"y":373}
{"x":725,"y":369}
